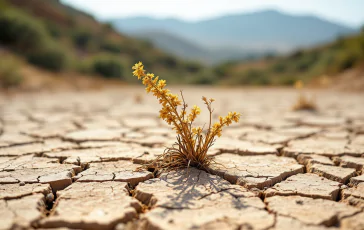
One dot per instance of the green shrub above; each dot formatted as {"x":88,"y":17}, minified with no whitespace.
{"x":110,"y":46}
{"x":82,"y":66}
{"x":82,"y":39}
{"x":21,"y":31}
{"x":296,"y":55}
{"x":53,"y":29}
{"x":193,"y":67}
{"x":168,"y":61}
{"x":3,"y":5}
{"x":107,"y":66}
{"x":9,"y":73}
{"x":286,"y":80}
{"x":223,"y":69}
{"x":280,"y":67}
{"x":50,"y":57}
{"x":302,"y":66}
{"x":254,"y":77}
{"x":306,"y":62}
{"x":131,"y":48}
{"x":347,"y":61}
{"x":204,"y":78}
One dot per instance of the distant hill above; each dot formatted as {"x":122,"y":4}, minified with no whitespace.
{"x":261,"y":31}
{"x":343,"y":58}
{"x":173,"y":44}
{"x":189,"y":50}
{"x":55,"y":37}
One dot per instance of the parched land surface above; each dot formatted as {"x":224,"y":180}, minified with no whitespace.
{"x":69,"y":161}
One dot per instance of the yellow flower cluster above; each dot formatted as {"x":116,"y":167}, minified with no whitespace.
{"x":298,"y":84}
{"x":224,"y":121}
{"x":302,"y":102}
{"x":157,"y":87}
{"x":193,"y":142}
{"x":194,"y":112}
{"x":197,"y":130}
{"x":138,"y":70}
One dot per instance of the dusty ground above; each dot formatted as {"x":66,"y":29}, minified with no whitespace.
{"x":69,"y":159}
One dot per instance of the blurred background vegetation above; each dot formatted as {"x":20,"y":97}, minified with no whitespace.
{"x":53,"y":38}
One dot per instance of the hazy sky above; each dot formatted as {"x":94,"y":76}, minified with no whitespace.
{"x":349,"y":12}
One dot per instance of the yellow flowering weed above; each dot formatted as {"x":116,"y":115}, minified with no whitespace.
{"x":302,"y":102}
{"x":192,"y":142}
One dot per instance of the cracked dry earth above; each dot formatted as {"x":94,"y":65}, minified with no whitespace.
{"x":69,"y":160}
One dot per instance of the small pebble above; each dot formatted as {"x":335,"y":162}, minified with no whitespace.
{"x":49,"y":197}
{"x":300,"y":202}
{"x":69,"y":174}
{"x":22,"y":183}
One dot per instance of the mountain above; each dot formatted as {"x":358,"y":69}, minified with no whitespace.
{"x":55,"y":37}
{"x":173,"y":44}
{"x":341,"y":59}
{"x":261,"y":31}
{"x":189,"y":50}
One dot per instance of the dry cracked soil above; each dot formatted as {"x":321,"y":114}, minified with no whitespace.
{"x":70,"y":161}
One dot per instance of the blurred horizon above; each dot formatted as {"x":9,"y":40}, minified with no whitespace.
{"x":214,"y":31}
{"x":347,"y":13}
{"x":265,"y":43}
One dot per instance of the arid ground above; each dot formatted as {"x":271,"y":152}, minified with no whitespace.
{"x":68,"y":160}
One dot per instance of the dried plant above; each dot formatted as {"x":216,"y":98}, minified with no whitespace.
{"x":302,"y":102}
{"x":138,"y":98}
{"x":192,"y":142}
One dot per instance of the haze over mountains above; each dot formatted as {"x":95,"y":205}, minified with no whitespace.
{"x":234,"y":36}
